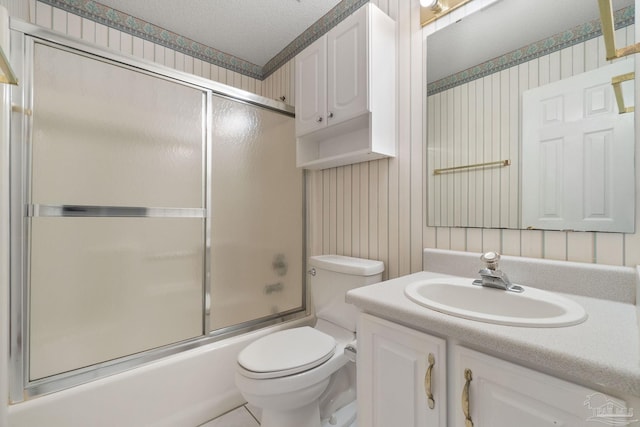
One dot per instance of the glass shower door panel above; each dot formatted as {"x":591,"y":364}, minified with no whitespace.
{"x":112,"y":136}
{"x":103,"y":288}
{"x":257,"y":214}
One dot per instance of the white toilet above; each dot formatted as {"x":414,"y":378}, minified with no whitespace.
{"x":302,"y":377}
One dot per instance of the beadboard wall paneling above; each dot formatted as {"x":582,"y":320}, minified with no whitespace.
{"x":277,"y":85}
{"x":376,"y":209}
{"x":479,"y":122}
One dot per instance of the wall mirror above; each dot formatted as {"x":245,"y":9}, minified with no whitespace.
{"x":523,"y":128}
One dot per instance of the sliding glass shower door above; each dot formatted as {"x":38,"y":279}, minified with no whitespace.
{"x":152,"y":212}
{"x":257,"y":215}
{"x":117,"y":213}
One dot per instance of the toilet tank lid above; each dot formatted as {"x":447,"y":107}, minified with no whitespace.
{"x":347,"y":265}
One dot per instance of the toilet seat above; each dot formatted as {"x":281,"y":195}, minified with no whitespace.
{"x":286,"y":353}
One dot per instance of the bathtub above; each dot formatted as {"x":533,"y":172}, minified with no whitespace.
{"x":183,"y":390}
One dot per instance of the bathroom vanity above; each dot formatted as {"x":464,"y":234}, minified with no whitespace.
{"x":421,"y":367}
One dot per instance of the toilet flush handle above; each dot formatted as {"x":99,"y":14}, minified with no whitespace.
{"x":351,"y":351}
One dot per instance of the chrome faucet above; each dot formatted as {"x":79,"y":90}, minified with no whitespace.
{"x":492,"y":277}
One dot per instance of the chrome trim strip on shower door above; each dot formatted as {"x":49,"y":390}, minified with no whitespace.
{"x":208,"y":164}
{"x":40,"y":210}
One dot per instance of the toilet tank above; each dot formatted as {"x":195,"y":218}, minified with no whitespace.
{"x":331,"y":276}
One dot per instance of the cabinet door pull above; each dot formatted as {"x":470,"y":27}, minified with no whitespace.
{"x":319,"y":119}
{"x":465,"y":398}
{"x":427,"y":381}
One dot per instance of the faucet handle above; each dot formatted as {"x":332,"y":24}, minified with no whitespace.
{"x":491,"y":259}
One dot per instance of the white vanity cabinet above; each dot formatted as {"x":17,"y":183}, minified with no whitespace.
{"x":484,"y":391}
{"x":398,"y":369}
{"x":502,"y":394}
{"x":345,"y":92}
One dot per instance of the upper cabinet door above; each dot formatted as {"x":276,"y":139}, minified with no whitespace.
{"x":311,"y":87}
{"x":347,"y":68}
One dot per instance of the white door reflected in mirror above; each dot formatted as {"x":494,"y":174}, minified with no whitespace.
{"x":578,"y":155}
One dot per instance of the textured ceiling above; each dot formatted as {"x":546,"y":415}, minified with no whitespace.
{"x":253,"y":30}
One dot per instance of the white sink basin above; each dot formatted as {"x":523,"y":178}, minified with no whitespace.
{"x":532,"y":308}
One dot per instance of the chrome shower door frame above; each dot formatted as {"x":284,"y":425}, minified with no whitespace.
{"x":24,"y":37}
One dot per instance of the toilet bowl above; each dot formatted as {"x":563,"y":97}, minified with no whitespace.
{"x":301,"y":377}
{"x":290,"y":395}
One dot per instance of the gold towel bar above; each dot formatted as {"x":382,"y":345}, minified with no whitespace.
{"x":608,"y":31}
{"x":8,"y":75}
{"x":477,"y":165}
{"x":616,"y":81}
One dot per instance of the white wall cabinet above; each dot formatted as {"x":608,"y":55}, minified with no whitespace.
{"x":398,"y":368}
{"x":392,"y":375}
{"x":345,"y":92}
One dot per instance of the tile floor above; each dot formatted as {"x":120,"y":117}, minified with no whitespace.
{"x":243,"y":416}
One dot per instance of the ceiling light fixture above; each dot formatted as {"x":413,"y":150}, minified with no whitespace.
{"x":430,"y":10}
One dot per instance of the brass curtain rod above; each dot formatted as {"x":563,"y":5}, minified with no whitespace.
{"x":608,"y":32}
{"x":477,"y":165}
{"x":8,"y":75}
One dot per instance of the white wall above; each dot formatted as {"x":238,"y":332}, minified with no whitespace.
{"x":378,"y":209}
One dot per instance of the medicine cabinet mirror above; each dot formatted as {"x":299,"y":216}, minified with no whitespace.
{"x":523,"y":128}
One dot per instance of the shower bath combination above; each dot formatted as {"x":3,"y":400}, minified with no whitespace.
{"x":152,"y":212}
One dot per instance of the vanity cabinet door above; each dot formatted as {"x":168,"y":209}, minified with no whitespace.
{"x":397,"y":368}
{"x":501,"y":394}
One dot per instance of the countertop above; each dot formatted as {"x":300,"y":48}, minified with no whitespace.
{"x":603,"y":352}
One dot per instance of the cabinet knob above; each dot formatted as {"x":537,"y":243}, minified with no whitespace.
{"x":330,"y":115}
{"x":319,"y":119}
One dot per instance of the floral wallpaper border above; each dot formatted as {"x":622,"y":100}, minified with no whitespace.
{"x":313,"y":33}
{"x":623,"y":17}
{"x":113,"y":18}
